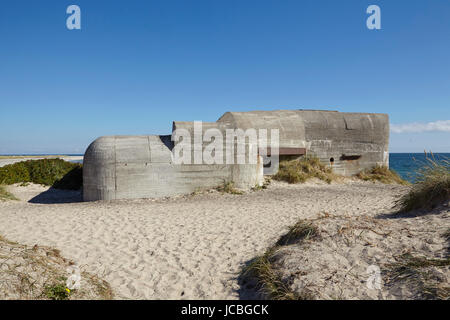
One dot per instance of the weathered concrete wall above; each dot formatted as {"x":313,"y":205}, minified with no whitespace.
{"x":349,"y":142}
{"x":289,"y":123}
{"x":129,"y":167}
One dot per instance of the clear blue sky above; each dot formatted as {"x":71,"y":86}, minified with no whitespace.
{"x":135,"y":66}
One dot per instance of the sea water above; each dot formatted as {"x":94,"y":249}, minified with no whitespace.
{"x":407,"y":164}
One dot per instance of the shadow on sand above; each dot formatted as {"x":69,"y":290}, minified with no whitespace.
{"x":412,"y":214}
{"x":248,"y":287}
{"x":55,"y":196}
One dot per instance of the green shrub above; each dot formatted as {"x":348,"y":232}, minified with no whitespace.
{"x":298,"y":171}
{"x":381,"y":174}
{"x":56,"y":291}
{"x":432,"y":186}
{"x":50,"y":172}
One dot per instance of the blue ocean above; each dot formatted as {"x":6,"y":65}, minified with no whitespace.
{"x":406,"y":164}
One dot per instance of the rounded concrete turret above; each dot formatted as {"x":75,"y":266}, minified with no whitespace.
{"x":130,"y":167}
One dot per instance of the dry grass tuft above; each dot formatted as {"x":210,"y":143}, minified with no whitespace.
{"x":419,"y":272}
{"x":101,"y":286}
{"x":228,"y":187}
{"x":5,"y":195}
{"x":381,"y":174}
{"x":40,"y":273}
{"x":447,"y":234}
{"x":298,"y":171}
{"x":264,"y":186}
{"x":300,"y":231}
{"x":262,"y":271}
{"x":431,"y":189}
{"x":269,"y":282}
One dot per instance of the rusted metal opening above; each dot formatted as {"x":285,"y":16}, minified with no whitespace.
{"x":284,"y":154}
{"x":350,"y":157}
{"x":284,"y":151}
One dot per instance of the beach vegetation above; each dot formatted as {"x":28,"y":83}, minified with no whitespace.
{"x":381,"y":174}
{"x":57,"y":173}
{"x":57,"y":291}
{"x":228,"y":187}
{"x":431,"y":188}
{"x":300,"y":170}
{"x":269,"y":283}
{"x":265,"y":184}
{"x":300,"y":231}
{"x":447,"y":235}
{"x":5,"y":195}
{"x":39,"y":272}
{"x":418,"y":273}
{"x":262,"y":270}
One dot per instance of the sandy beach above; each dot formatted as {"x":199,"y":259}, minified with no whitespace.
{"x":188,"y":247}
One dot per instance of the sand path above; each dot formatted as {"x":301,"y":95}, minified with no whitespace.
{"x":183,"y":248}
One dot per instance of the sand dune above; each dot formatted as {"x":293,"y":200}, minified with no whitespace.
{"x":349,"y":252}
{"x":181,"y":248}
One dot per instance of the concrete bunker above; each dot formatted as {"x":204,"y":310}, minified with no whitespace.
{"x":128,"y":167}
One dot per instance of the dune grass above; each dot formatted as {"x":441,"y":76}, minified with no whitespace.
{"x":265,"y":185}
{"x":268,"y":281}
{"x":39,"y":272}
{"x":5,"y":195}
{"x":447,"y":234}
{"x":381,"y":174}
{"x":50,"y":172}
{"x":298,"y":171}
{"x":298,"y":232}
{"x":432,"y":186}
{"x":228,"y":187}
{"x":262,"y":272}
{"x":416,"y":271}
